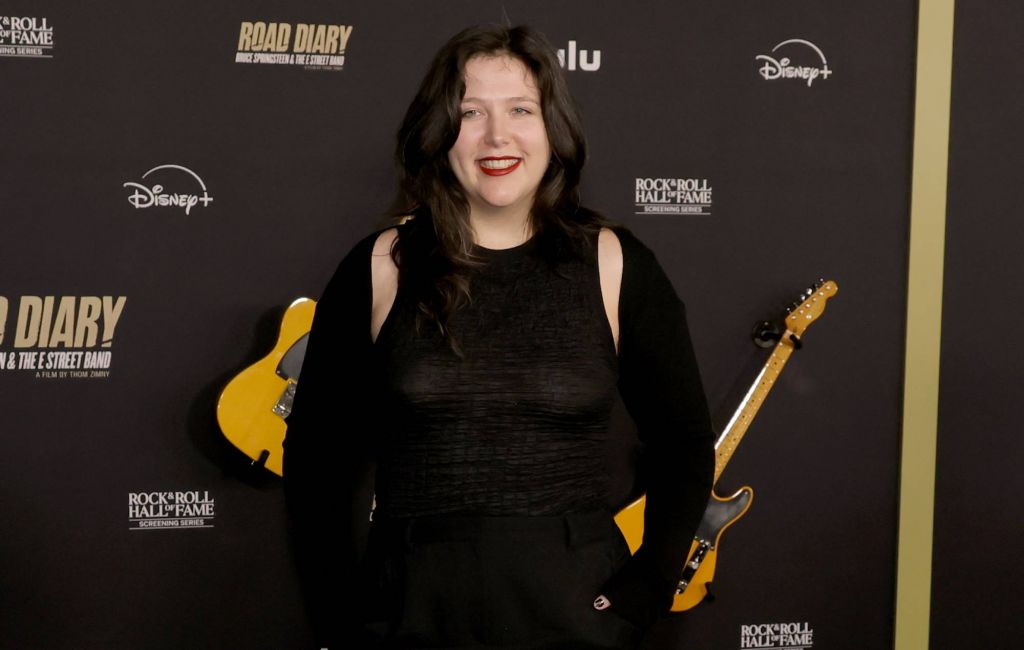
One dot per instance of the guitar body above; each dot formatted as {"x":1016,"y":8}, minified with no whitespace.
{"x":252,"y":406}
{"x":699,"y":570}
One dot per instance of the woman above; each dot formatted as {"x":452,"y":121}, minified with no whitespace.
{"x":472,"y":354}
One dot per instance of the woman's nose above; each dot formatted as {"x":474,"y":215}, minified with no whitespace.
{"x":497,"y":130}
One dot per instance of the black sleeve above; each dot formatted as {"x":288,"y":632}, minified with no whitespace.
{"x":327,"y":449}
{"x":661,"y":388}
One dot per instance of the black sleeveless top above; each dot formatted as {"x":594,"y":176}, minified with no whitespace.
{"x":518,"y":425}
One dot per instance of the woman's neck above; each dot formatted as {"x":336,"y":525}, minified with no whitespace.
{"x":500,"y":233}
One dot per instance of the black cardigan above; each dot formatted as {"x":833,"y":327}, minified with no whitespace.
{"x":327,"y":458}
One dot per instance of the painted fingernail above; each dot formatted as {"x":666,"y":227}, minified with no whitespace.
{"x":601,"y":603}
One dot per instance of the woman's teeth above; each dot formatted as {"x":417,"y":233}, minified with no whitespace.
{"x":504,"y":163}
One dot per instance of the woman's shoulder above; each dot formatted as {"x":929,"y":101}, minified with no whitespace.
{"x":609,"y":254}
{"x":376,"y":244}
{"x":383,"y":270}
{"x":384,"y":240}
{"x":643,"y":278}
{"x":631,"y":245}
{"x":356,"y":270}
{"x":618,"y":249}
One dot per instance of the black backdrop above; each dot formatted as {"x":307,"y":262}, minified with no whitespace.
{"x":977,"y":572}
{"x":806,"y":180}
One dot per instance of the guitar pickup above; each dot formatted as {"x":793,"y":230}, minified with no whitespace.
{"x":283,"y":407}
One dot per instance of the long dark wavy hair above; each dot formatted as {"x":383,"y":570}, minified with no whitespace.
{"x":434,"y":251}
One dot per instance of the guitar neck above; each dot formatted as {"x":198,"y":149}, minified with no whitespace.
{"x":751,"y":404}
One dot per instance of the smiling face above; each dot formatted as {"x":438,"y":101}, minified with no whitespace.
{"x":502,"y":150}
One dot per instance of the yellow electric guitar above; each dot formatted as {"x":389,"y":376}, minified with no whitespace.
{"x":252,"y":407}
{"x":721,"y":513}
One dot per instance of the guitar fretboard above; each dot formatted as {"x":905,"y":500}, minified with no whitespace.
{"x":751,"y":404}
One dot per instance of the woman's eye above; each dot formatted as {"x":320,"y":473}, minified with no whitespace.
{"x":470,"y":112}
{"x":519,"y":110}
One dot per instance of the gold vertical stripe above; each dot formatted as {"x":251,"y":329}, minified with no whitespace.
{"x":924,"y":323}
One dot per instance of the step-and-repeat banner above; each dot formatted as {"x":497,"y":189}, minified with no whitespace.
{"x":175,"y":175}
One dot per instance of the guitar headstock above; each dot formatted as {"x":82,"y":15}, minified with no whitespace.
{"x":809,"y":306}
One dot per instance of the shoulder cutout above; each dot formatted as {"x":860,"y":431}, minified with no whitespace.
{"x":384,"y":276}
{"x":609,"y":264}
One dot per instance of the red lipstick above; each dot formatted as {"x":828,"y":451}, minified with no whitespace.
{"x":504,"y":166}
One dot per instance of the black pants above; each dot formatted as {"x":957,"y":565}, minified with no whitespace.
{"x":493,"y":582}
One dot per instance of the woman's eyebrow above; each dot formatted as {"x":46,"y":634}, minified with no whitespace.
{"x":507,"y":99}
